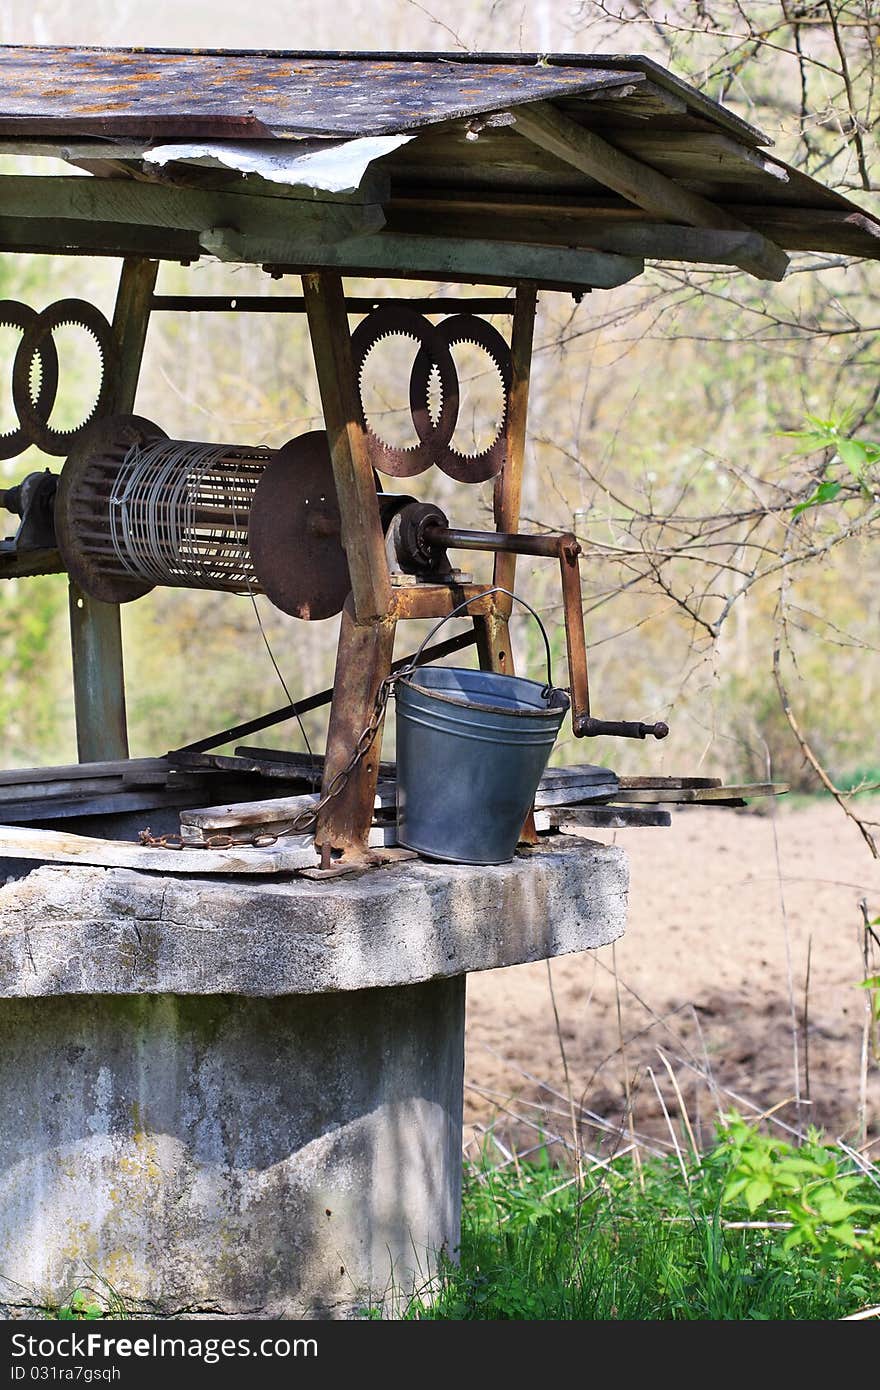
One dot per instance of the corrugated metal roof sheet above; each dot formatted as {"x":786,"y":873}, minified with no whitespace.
{"x":160,"y":94}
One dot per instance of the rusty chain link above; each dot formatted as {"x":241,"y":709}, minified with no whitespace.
{"x":306,"y":820}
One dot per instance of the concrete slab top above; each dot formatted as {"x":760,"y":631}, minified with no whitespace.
{"x":81,"y":930}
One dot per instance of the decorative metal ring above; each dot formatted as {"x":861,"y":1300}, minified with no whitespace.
{"x":434,"y":435}
{"x":466,"y":328}
{"x":21,"y":316}
{"x":434,"y":431}
{"x":38,"y":334}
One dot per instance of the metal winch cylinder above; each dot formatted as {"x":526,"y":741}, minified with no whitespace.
{"x":136,"y":509}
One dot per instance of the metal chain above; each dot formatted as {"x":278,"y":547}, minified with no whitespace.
{"x":306,"y":820}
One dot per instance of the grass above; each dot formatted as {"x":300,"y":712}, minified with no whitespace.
{"x":660,"y":1243}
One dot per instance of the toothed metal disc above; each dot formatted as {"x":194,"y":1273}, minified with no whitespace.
{"x":34,"y":414}
{"x":82,"y":503}
{"x":21,"y":316}
{"x":465,"y":328}
{"x":294,"y":531}
{"x":433,"y":435}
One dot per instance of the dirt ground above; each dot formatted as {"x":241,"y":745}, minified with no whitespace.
{"x":718,"y":904}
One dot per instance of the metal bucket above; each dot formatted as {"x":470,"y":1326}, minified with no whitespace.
{"x":471,"y":749}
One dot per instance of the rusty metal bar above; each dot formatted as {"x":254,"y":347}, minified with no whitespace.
{"x":508,"y":484}
{"x":362,"y":536}
{"x":296,"y":304}
{"x":564,"y":547}
{"x":504,"y":542}
{"x":323,"y":697}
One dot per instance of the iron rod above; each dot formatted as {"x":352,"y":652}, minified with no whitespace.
{"x":295,"y":304}
{"x":323,"y":697}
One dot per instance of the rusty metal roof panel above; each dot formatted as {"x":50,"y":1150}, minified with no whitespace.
{"x":160,"y":94}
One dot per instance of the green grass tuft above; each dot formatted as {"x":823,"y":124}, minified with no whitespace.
{"x":536,"y":1244}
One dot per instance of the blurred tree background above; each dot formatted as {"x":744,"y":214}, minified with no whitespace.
{"x":657,"y":424}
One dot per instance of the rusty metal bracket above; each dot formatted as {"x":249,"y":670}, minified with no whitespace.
{"x":565,"y":548}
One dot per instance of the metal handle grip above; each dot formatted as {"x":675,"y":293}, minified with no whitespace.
{"x":619,"y":728}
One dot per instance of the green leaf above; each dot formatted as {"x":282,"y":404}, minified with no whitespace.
{"x":811,"y":441}
{"x":825,"y":492}
{"x":834,"y":1209}
{"x":757,"y":1192}
{"x":734,"y":1188}
{"x":854,"y":455}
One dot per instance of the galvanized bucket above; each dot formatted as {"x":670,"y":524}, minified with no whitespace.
{"x":471,"y":749}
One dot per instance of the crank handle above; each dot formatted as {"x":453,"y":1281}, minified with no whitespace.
{"x":587,"y":727}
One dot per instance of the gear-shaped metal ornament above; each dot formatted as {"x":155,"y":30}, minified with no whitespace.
{"x":434,"y":435}
{"x":467,"y":328}
{"x":434,"y":428}
{"x":36,"y":340}
{"x":21,"y":316}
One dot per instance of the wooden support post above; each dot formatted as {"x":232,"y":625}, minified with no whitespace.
{"x":362,"y":536}
{"x":98,"y":681}
{"x":366,"y":636}
{"x":95,"y":628}
{"x":363,"y":660}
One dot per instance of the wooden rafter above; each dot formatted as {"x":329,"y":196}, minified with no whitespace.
{"x":586,"y":151}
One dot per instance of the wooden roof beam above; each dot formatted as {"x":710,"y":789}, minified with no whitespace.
{"x":586,"y":151}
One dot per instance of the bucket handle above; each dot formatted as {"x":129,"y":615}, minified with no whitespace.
{"x":459,"y":608}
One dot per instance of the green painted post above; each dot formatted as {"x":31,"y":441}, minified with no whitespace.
{"x":95,"y":628}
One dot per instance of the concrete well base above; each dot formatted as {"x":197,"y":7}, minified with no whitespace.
{"x":244,"y":1098}
{"x":296,"y":1156}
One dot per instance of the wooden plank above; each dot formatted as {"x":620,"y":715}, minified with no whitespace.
{"x":362,"y":535}
{"x":140,"y":203}
{"x":268,"y":813}
{"x":634,"y":103}
{"x":243,"y":766}
{"x":575,"y":821}
{"x":582,"y":220}
{"x":108,"y":803}
{"x":637,"y":182}
{"x":489,"y":261}
{"x":571,"y":226}
{"x":131,"y":320}
{"x":575,"y":794}
{"x":700,"y":795}
{"x":56,"y":847}
{"x":846,"y":230}
{"x":18,"y":564}
{"x":666,"y":783}
{"x":123,"y":769}
{"x":58,"y":791}
{"x":577,"y":774}
{"x":60,"y":236}
{"x":699,"y":156}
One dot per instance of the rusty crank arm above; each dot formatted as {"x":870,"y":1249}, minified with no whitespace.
{"x":564,"y":547}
